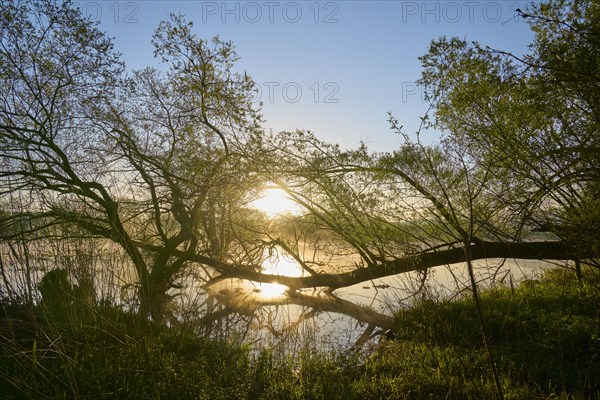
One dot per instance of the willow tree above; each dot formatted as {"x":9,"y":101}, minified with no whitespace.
{"x":162,"y":162}
{"x":155,"y":162}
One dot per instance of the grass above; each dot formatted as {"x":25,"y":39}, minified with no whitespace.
{"x":545,"y":336}
{"x":110,"y":354}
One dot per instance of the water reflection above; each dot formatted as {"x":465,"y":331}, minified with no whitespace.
{"x":278,"y":263}
{"x":351,"y":316}
{"x":267,"y":313}
{"x":277,"y":316}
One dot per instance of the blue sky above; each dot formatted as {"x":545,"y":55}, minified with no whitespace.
{"x":333,"y":67}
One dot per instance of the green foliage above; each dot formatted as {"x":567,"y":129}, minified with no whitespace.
{"x":546,"y":333}
{"x":108,"y":353}
{"x":186,"y":147}
{"x":529,"y":123}
{"x":414,"y":370}
{"x":311,"y":375}
{"x":160,"y":159}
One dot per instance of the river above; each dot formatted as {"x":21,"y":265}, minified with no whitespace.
{"x":267,"y":313}
{"x":331,"y":321}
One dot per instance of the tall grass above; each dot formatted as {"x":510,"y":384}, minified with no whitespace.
{"x":103,"y":352}
{"x":546,"y":333}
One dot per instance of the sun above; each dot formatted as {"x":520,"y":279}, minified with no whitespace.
{"x":274,"y":202}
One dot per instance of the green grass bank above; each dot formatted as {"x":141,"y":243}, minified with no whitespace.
{"x":544,"y":334}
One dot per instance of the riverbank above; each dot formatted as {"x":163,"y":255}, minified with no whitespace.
{"x":544,"y":334}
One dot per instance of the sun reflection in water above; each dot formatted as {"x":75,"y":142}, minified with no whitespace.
{"x":278,"y":264}
{"x":271,"y":289}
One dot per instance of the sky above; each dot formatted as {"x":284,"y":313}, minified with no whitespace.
{"x":335,"y":68}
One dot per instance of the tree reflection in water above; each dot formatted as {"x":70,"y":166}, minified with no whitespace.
{"x":240,"y":310}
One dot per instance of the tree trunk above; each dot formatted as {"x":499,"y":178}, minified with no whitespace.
{"x":420,"y":261}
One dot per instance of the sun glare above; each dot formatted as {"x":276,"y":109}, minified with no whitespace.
{"x":275,"y":201}
{"x":278,"y":265}
{"x":272,"y":289}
